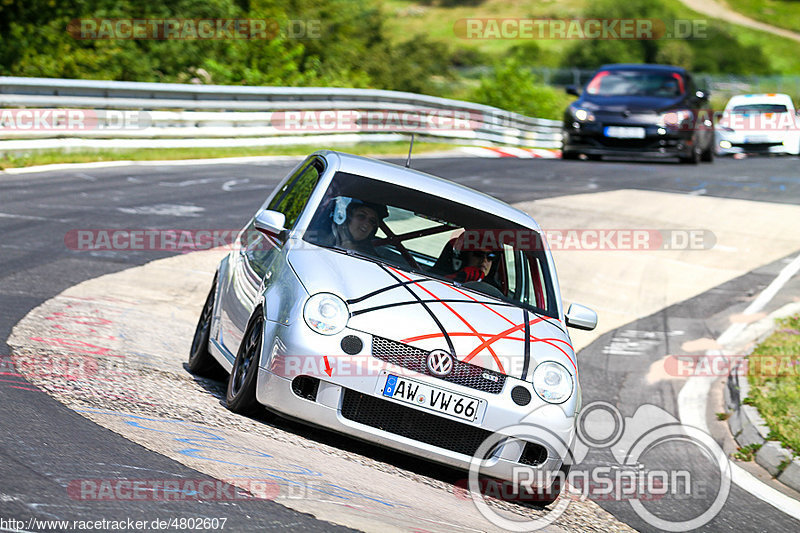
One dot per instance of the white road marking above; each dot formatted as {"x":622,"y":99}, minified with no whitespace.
{"x":230,"y":184}
{"x":693,"y":399}
{"x":635,"y":342}
{"x":32,"y":217}
{"x":174,"y":210}
{"x":187,"y":183}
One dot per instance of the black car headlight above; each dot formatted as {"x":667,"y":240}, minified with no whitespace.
{"x":582,"y":115}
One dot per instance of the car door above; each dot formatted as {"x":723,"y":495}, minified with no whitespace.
{"x":250,"y":270}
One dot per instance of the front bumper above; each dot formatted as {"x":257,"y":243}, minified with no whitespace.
{"x":741,"y":142}
{"x":590,"y":139}
{"x":350,"y":402}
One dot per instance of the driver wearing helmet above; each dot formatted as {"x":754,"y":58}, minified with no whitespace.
{"x":476,"y":266}
{"x":359,"y":226}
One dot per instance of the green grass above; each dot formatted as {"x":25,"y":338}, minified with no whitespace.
{"x":781,"y":13}
{"x":46,"y":157}
{"x":746,"y":453}
{"x":774,"y":376}
{"x":408,"y":18}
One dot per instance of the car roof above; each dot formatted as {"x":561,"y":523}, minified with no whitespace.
{"x":778,"y":98}
{"x":414,"y":179}
{"x":643,"y":66}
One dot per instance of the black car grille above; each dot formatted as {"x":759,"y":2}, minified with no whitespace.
{"x":412,"y":423}
{"x":757,"y":147}
{"x":414,"y":359}
{"x":625,"y":143}
{"x":425,"y":427}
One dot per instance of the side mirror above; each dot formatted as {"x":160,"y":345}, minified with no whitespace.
{"x":573,"y":90}
{"x":270,"y":223}
{"x":581,"y":317}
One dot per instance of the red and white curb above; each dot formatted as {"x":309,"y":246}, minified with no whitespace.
{"x":511,"y":151}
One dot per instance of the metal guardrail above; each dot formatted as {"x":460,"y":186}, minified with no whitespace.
{"x":178,"y":115}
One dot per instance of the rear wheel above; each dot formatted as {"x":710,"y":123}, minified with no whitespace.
{"x":569,"y":155}
{"x":201,"y":362}
{"x":241,"y":395}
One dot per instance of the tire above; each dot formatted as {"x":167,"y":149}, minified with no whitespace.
{"x":569,"y":155}
{"x":241,"y":394}
{"x":692,"y":159}
{"x":708,"y":154}
{"x":594,"y":157}
{"x":201,"y":362}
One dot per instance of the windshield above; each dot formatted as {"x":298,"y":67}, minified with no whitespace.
{"x":757,"y":109}
{"x":419,"y":232}
{"x":636,"y":83}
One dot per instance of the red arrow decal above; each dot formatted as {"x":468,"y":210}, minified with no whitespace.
{"x":328,"y":369}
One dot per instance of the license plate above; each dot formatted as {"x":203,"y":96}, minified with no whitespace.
{"x":621,"y":132}
{"x":414,"y":392}
{"x":756,"y":140}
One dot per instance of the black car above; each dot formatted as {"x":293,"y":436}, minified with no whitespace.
{"x":639,"y":110}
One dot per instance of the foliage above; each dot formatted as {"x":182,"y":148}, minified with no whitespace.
{"x":774,"y":376}
{"x":747,"y":453}
{"x":702,"y":45}
{"x":344,"y":45}
{"x":513,"y":87}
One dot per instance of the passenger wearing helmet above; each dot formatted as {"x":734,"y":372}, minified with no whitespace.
{"x":359,"y":226}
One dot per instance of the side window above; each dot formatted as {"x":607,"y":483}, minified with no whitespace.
{"x":292,"y":198}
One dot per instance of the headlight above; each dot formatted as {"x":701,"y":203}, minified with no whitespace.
{"x":674,"y":118}
{"x":326,"y":313}
{"x":552,"y":382}
{"x":583,"y":115}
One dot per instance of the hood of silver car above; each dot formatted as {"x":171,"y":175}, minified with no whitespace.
{"x":426,"y":313}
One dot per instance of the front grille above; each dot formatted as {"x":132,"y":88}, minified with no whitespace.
{"x":533,"y":454}
{"x":414,"y":359}
{"x":412,"y":423}
{"x":627,"y":143}
{"x":757,"y":147}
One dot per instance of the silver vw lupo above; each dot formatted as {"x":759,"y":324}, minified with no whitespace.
{"x":398,"y":308}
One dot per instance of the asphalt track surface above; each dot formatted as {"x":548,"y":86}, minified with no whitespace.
{"x":43,"y":444}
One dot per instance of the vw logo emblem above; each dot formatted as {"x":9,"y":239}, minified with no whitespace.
{"x":440,"y":363}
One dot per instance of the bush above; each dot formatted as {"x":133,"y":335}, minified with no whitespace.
{"x":717,"y":52}
{"x":515,"y":88}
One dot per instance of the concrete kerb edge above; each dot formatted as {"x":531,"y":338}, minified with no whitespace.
{"x":746,"y":424}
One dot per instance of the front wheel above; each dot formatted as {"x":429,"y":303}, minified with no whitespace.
{"x":241,"y":395}
{"x":201,"y":362}
{"x":708,"y":154}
